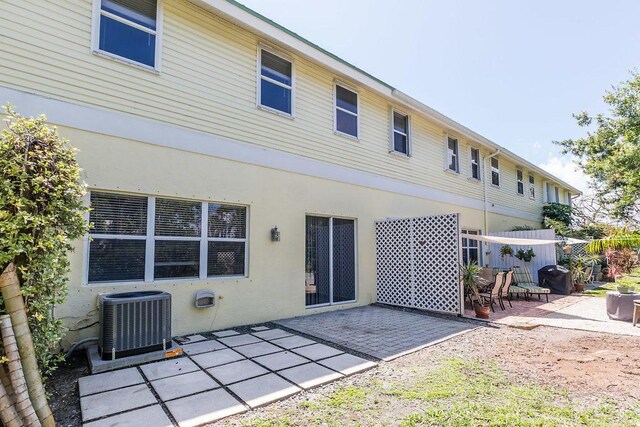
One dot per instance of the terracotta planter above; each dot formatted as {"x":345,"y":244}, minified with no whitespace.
{"x":482,"y":312}
{"x":579,"y":287}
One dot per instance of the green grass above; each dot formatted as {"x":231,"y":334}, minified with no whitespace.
{"x":632,"y":280}
{"x":454,"y":393}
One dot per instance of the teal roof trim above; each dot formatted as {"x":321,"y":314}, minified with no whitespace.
{"x":307,"y":42}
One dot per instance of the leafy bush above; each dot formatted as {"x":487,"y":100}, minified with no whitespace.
{"x":41,"y":211}
{"x":557,"y":212}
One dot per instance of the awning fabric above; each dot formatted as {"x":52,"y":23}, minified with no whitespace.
{"x":519,"y":241}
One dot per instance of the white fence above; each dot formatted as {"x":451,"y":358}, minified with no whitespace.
{"x":417,"y":263}
{"x":545,"y":254}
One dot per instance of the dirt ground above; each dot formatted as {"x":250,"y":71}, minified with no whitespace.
{"x":591,"y":367}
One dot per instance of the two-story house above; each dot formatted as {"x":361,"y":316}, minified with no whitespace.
{"x":202,"y":126}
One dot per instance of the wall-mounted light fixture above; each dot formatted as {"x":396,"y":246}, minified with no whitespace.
{"x":275,"y":234}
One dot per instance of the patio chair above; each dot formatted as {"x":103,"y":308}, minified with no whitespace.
{"x":589,"y":275}
{"x":522,"y":279}
{"x":506,"y":286}
{"x":494,"y":291}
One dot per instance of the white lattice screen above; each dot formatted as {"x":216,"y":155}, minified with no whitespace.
{"x":417,"y":263}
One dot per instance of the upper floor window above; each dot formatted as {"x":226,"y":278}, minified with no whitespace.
{"x":138,"y":238}
{"x":346,"y":111}
{"x":400,"y":142}
{"x":495,"y":172}
{"x":128,"y":29}
{"x":569,"y":201}
{"x":276,"y":82}
{"x":452,"y":155}
{"x":474,"y":160}
{"x":520,"y":181}
{"x":532,"y":187}
{"x":557,"y":195}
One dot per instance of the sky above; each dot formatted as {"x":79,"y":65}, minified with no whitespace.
{"x":512,"y":70}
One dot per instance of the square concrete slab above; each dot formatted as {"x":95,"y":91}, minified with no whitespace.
{"x":204,"y":408}
{"x":114,"y":401}
{"x":149,"y":416}
{"x":310,"y":375}
{"x":168,"y":368}
{"x":183,"y":385}
{"x":292,"y":342}
{"x":277,"y":361}
{"x":264,"y":389}
{"x":347,"y":364}
{"x":193,"y":338}
{"x":239,"y":340}
{"x":272,"y":334}
{"x":227,"y":333}
{"x":257,"y":349}
{"x":238,"y":371}
{"x":260,"y":328}
{"x":317,"y":351}
{"x":109,"y":381}
{"x":215,"y":358}
{"x":203,"y":347}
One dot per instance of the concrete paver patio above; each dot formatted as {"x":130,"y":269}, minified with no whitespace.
{"x":218,"y":377}
{"x":380,"y":332}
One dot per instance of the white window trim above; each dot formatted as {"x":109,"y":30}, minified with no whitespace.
{"x":350,"y":88}
{"x":446,"y":154}
{"x":259,"y":78}
{"x":520,"y":181}
{"x":95,"y":37}
{"x":393,"y":131}
{"x":493,"y":169}
{"x":151,"y":238}
{"x":479,"y":164}
{"x":480,"y":247}
{"x":355,"y":261}
{"x":532,"y":186}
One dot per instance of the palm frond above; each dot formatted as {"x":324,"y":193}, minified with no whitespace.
{"x":616,"y":241}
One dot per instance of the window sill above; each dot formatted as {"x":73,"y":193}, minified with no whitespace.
{"x":346,"y":135}
{"x":495,"y":186}
{"x":276,"y":112}
{"x":476,"y":180}
{"x":520,"y":195}
{"x":447,"y":170}
{"x":399,"y":154}
{"x":125,"y":61}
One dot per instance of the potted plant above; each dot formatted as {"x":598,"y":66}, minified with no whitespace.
{"x":578,"y":273}
{"x":506,"y":250}
{"x":525,"y":256}
{"x":470,"y":273}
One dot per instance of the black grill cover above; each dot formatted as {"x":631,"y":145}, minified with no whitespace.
{"x":556,"y":278}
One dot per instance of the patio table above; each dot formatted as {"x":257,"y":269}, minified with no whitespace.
{"x":620,"y":306}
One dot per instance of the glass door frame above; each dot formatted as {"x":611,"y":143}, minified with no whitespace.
{"x":355,"y":259}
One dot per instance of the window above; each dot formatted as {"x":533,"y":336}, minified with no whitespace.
{"x":547,"y":187}
{"x":474,"y":160}
{"x":330,"y":272}
{"x":128,"y":29}
{"x":495,"y":172}
{"x":471,"y":249}
{"x":557,"y":195}
{"x":532,"y":187}
{"x":276,"y":82}
{"x":346,"y":111}
{"x":452,"y":154}
{"x":137,"y":238}
{"x":569,"y":201}
{"x":400,"y":133}
{"x":520,"y":181}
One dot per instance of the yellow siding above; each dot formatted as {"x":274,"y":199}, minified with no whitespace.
{"x":208,"y":83}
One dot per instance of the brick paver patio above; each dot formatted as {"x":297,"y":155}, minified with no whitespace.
{"x":217,"y":377}
{"x":562,"y":311}
{"x":380,"y":332}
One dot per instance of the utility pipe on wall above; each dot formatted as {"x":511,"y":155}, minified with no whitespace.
{"x":487,"y":176}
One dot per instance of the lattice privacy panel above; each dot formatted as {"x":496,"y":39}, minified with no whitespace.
{"x":417,"y":263}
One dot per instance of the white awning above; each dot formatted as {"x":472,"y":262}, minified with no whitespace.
{"x":520,"y":241}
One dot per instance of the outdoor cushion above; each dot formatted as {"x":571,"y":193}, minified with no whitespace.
{"x":522,"y":278}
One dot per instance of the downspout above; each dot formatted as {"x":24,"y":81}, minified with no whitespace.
{"x":486,"y":183}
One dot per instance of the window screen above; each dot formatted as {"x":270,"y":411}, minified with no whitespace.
{"x":452,"y":154}
{"x":400,"y":133}
{"x":475,"y":163}
{"x":346,"y":111}
{"x":276,"y":75}
{"x":495,"y":172}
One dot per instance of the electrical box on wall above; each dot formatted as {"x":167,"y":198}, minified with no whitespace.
{"x":205,"y":298}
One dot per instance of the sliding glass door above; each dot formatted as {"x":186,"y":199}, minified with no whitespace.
{"x":330,"y":260}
